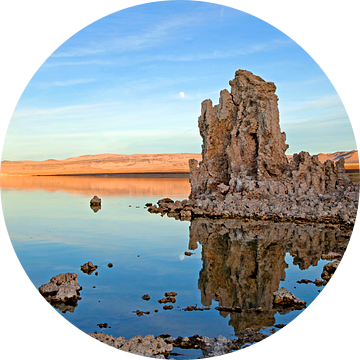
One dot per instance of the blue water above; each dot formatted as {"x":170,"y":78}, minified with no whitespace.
{"x":56,"y":231}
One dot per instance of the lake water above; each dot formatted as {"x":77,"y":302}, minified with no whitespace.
{"x":54,"y":230}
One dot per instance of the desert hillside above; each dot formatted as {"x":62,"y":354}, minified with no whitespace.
{"x":351,"y":158}
{"x":102,"y":164}
{"x":132,"y":164}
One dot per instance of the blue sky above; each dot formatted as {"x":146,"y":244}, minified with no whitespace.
{"x":114,"y":87}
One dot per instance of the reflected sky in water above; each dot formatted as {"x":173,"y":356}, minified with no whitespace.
{"x":54,"y":230}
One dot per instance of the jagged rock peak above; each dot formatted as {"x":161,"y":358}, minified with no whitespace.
{"x":244,"y":172}
{"x":243,"y":147}
{"x":241,"y":135}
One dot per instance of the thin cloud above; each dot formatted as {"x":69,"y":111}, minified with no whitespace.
{"x":150,"y":38}
{"x":61,"y":111}
{"x":70,"y":82}
{"x":78,"y":63}
{"x":328,"y":102}
{"x":316,"y":121}
{"x":219,"y":54}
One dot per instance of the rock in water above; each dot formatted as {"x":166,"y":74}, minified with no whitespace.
{"x":244,"y":171}
{"x":95,"y":204}
{"x":88,"y":268}
{"x":62,"y":288}
{"x":285,"y":298}
{"x":95,"y":201}
{"x":146,"y":346}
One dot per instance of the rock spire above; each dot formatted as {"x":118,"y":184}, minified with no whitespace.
{"x":244,"y":172}
{"x":244,"y":149}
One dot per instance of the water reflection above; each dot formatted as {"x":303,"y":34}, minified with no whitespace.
{"x":103,"y":186}
{"x":95,"y":208}
{"x":244,"y":262}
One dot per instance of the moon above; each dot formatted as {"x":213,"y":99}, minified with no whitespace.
{"x":182,"y":94}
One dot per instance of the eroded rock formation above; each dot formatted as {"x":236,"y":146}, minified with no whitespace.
{"x":243,"y":147}
{"x":244,"y":171}
{"x":161,"y":346}
{"x":63,"y":291}
{"x":241,"y":136}
{"x":146,"y":346}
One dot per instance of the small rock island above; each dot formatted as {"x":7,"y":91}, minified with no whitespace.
{"x":244,"y":172}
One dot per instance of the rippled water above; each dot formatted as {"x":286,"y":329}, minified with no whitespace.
{"x":235,"y":263}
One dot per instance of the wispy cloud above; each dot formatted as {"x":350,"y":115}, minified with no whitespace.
{"x":78,"y":63}
{"x":61,"y":111}
{"x":320,"y":121}
{"x":326,"y":103}
{"x":211,"y":55}
{"x":69,"y":82}
{"x":149,"y":38}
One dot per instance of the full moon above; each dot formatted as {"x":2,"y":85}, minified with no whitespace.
{"x":182,"y":94}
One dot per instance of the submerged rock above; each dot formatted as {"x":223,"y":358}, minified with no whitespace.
{"x":141,"y":313}
{"x":63,"y":289}
{"x":215,"y":346}
{"x":194,"y":308}
{"x":88,"y":268}
{"x":167,"y":300}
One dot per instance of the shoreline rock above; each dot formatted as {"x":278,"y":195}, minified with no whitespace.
{"x":63,"y":291}
{"x":146,"y":346}
{"x":333,"y":209}
{"x":161,"y":346}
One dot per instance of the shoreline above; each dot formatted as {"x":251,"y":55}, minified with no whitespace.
{"x":110,"y":174}
{"x":130,"y":175}
{"x":185,"y":174}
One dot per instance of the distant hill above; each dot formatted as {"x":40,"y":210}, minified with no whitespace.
{"x":102,"y":164}
{"x":131,"y":164}
{"x":351,"y":158}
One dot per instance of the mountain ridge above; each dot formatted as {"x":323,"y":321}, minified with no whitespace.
{"x":127,"y":164}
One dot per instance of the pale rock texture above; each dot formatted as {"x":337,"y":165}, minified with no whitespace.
{"x":62,"y":288}
{"x":146,"y":346}
{"x":284,"y":297}
{"x":244,"y":148}
{"x":245,"y":173}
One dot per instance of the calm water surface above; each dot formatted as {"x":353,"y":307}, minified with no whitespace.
{"x":53,"y":230}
